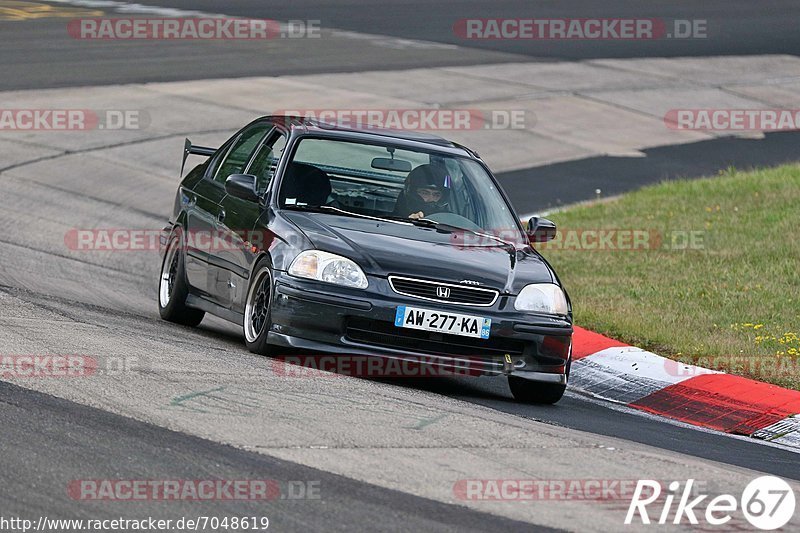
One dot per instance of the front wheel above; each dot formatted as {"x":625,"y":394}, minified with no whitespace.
{"x":527,"y":391}
{"x":173,"y":288}
{"x":258,"y":309}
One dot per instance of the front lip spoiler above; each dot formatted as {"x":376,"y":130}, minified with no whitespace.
{"x":543,"y":377}
{"x":487,"y":367}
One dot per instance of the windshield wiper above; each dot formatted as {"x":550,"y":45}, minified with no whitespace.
{"x":509,"y":247}
{"x":320,"y":208}
{"x":428,"y":223}
{"x":336,"y":210}
{"x":303,"y":207}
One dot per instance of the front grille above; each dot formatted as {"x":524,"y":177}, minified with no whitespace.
{"x":386,"y":334}
{"x":458,"y":294}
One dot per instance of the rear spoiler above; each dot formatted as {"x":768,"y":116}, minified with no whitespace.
{"x":189,"y":148}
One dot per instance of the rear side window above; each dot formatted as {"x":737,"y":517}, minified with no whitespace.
{"x":266,"y":159}
{"x":243,"y":147}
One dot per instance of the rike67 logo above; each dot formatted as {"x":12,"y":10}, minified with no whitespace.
{"x":768,"y":503}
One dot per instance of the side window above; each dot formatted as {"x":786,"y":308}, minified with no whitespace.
{"x":266,"y":161}
{"x":240,"y":152}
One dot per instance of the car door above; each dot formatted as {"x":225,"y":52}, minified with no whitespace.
{"x":241,"y":216}
{"x":202,"y":208}
{"x":206,"y":221}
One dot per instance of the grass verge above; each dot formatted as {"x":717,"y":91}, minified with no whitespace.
{"x":705,"y":271}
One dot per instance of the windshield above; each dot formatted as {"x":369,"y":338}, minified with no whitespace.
{"x":388,"y":182}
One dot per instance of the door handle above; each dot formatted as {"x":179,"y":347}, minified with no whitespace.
{"x":221,"y":215}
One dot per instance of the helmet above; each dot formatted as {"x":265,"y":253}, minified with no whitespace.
{"x":428,"y":176}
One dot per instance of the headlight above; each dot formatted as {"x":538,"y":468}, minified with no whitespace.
{"x":330,"y":268}
{"x":542,"y":298}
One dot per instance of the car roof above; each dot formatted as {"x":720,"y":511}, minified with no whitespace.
{"x":313,"y":126}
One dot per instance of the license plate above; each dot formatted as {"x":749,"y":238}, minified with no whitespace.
{"x":452,"y":323}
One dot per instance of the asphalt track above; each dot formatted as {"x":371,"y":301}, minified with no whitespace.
{"x":69,"y":436}
{"x":385,"y":453}
{"x":365,"y":35}
{"x":38,"y":53}
{"x":573,"y":181}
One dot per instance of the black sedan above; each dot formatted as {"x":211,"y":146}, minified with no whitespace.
{"x":378,"y":243}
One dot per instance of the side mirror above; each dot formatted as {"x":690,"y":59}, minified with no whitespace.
{"x":541,"y":230}
{"x":242,"y":186}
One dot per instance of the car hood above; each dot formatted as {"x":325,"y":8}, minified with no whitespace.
{"x":386,"y":248}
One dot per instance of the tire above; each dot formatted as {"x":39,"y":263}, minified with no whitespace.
{"x":526,"y":391}
{"x":173,"y":287}
{"x":258,"y":309}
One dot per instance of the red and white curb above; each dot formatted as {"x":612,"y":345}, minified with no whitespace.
{"x":614,"y":371}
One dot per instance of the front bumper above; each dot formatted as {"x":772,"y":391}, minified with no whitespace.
{"x":317,"y":317}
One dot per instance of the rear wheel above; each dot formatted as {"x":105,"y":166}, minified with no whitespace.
{"x":173,"y":288}
{"x":258,"y":309}
{"x":527,"y":391}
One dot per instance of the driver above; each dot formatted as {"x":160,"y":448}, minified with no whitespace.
{"x":426,"y":191}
